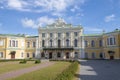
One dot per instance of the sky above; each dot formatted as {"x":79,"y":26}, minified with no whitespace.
{"x":25,"y":16}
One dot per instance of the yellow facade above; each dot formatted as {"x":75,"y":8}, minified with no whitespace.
{"x":15,"y":47}
{"x":31,"y":49}
{"x":21,"y":46}
{"x":110,"y":48}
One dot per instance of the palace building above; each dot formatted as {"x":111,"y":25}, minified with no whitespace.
{"x":61,"y":41}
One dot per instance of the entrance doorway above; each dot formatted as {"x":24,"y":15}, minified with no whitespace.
{"x":67,"y":55}
{"x":50,"y":55}
{"x":76,"y":54}
{"x":12,"y":54}
{"x":111,"y":57}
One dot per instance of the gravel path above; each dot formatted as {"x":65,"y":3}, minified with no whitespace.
{"x":99,"y":70}
{"x":16,"y":73}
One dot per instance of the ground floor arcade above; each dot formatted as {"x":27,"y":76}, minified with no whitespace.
{"x":59,"y":54}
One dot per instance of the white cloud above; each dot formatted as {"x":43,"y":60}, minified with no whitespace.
{"x":110,"y":18}
{"x":55,"y":6}
{"x":37,"y":23}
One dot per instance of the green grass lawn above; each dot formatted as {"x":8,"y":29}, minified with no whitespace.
{"x":11,"y":66}
{"x":48,"y":73}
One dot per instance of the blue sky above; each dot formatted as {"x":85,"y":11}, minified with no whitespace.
{"x":25,"y":16}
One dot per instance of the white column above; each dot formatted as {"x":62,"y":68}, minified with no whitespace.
{"x":63,"y":55}
{"x":63,"y":40}
{"x":55,"y":43}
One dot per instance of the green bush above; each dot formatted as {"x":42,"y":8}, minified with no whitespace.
{"x":37,"y":61}
{"x":68,"y":73}
{"x":23,"y":61}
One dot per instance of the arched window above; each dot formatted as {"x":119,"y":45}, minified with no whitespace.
{"x":58,"y":55}
{"x":42,"y":54}
{"x":67,"y":43}
{"x":102,"y":55}
{"x":100,"y":43}
{"x":43,"y":43}
{"x":75,"y":42}
{"x":59,"y":43}
{"x":93,"y":43}
{"x":50,"y":43}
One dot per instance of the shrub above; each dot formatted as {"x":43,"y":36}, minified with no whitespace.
{"x":68,"y":73}
{"x":37,"y":61}
{"x":23,"y":61}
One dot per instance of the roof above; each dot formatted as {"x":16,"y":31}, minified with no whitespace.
{"x":95,"y":35}
{"x":115,"y":31}
{"x":32,"y":36}
{"x":17,"y":35}
{"x":92,"y":35}
{"x":13,"y":35}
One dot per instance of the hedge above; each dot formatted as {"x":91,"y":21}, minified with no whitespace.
{"x":68,"y":74}
{"x":23,"y":61}
{"x":37,"y":61}
{"x":6,"y":60}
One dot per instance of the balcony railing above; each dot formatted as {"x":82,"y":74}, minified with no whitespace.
{"x":58,"y":48}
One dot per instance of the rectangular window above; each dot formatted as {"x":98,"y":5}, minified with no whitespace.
{"x":27,"y":54}
{"x":59,"y":34}
{"x":51,"y":35}
{"x":22,"y":54}
{"x":67,"y":34}
{"x":111,"y":41}
{"x":1,"y":42}
{"x":28,"y":44}
{"x":16,"y":43}
{"x":13,"y":43}
{"x":1,"y":54}
{"x":43,"y":34}
{"x":43,"y":43}
{"x":100,"y":43}
{"x":76,"y":33}
{"x":114,"y":41}
{"x":33,"y":55}
{"x":86,"y":43}
{"x":10,"y":43}
{"x":34,"y":44}
{"x":107,"y":41}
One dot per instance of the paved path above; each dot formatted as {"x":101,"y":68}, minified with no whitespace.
{"x":16,"y":73}
{"x":99,"y":70}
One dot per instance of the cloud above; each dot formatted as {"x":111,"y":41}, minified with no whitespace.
{"x":109,"y":18}
{"x":52,"y":6}
{"x":37,"y":23}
